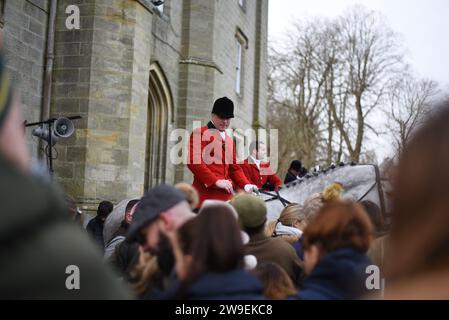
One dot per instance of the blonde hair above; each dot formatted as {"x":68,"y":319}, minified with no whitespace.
{"x":144,"y":273}
{"x":191,"y":193}
{"x":289,"y":215}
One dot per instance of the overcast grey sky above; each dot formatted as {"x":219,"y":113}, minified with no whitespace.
{"x":424,"y":25}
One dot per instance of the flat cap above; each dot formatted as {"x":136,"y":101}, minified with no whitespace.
{"x":252,"y":210}
{"x":153,"y":203}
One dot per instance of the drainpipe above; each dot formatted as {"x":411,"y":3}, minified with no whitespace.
{"x":49,"y":58}
{"x":257,"y":62}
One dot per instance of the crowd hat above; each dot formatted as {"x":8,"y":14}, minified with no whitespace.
{"x":252,"y":210}
{"x":156,"y":201}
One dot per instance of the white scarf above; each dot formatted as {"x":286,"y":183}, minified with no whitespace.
{"x":282,"y":230}
{"x":256,"y":162}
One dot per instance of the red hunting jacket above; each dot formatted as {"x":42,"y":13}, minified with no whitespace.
{"x":258,"y":178}
{"x":211,"y":159}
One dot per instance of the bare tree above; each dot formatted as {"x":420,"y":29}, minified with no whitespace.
{"x":297,"y":80}
{"x":366,"y":58}
{"x":408,"y":103}
{"x":328,"y":82}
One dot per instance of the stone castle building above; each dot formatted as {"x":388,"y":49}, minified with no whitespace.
{"x":135,"y":72}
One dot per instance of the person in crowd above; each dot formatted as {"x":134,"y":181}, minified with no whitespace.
{"x":417,"y":253}
{"x":311,"y":207}
{"x":192,"y":195}
{"x":290,"y":224}
{"x":250,"y":261}
{"x":39,"y":242}
{"x":294,"y":172}
{"x":146,"y":277}
{"x":123,"y":256}
{"x":95,"y":225}
{"x":252,"y":213}
{"x":258,"y":172}
{"x":277,"y":285}
{"x":212,"y":157}
{"x":335,"y":244}
{"x":162,"y":210}
{"x":209,"y":255}
{"x":316,"y":201}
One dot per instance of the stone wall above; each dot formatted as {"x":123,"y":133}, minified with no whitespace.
{"x":102,"y":73}
{"x":230,"y":18}
{"x":208,"y":69}
{"x":166,"y":53}
{"x":24,"y":36}
{"x":261,"y":65}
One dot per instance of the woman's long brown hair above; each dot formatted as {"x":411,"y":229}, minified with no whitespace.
{"x":213,"y":239}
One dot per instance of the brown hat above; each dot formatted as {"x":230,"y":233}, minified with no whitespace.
{"x":252,"y":211}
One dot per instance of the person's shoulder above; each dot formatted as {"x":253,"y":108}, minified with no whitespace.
{"x":282,"y":244}
{"x":60,"y":250}
{"x":88,"y":259}
{"x":279,"y":241}
{"x":27,"y":202}
{"x":270,"y":244}
{"x":115,"y":241}
{"x":94,"y":225}
{"x":91,"y":223}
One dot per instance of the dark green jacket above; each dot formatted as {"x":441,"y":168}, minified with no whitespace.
{"x":38,"y":243}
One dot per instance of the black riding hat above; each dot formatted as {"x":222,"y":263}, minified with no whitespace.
{"x":224,"y":108}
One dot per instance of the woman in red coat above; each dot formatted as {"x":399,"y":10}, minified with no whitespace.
{"x":212,"y":157}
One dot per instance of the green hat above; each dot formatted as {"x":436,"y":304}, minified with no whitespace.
{"x":252,"y":211}
{"x":5,"y":91}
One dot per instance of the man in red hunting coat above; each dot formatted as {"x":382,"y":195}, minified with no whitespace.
{"x":258,"y":172}
{"x":212,"y":157}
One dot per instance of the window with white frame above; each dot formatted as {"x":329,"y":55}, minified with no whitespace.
{"x":238,"y":68}
{"x":241,"y":46}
